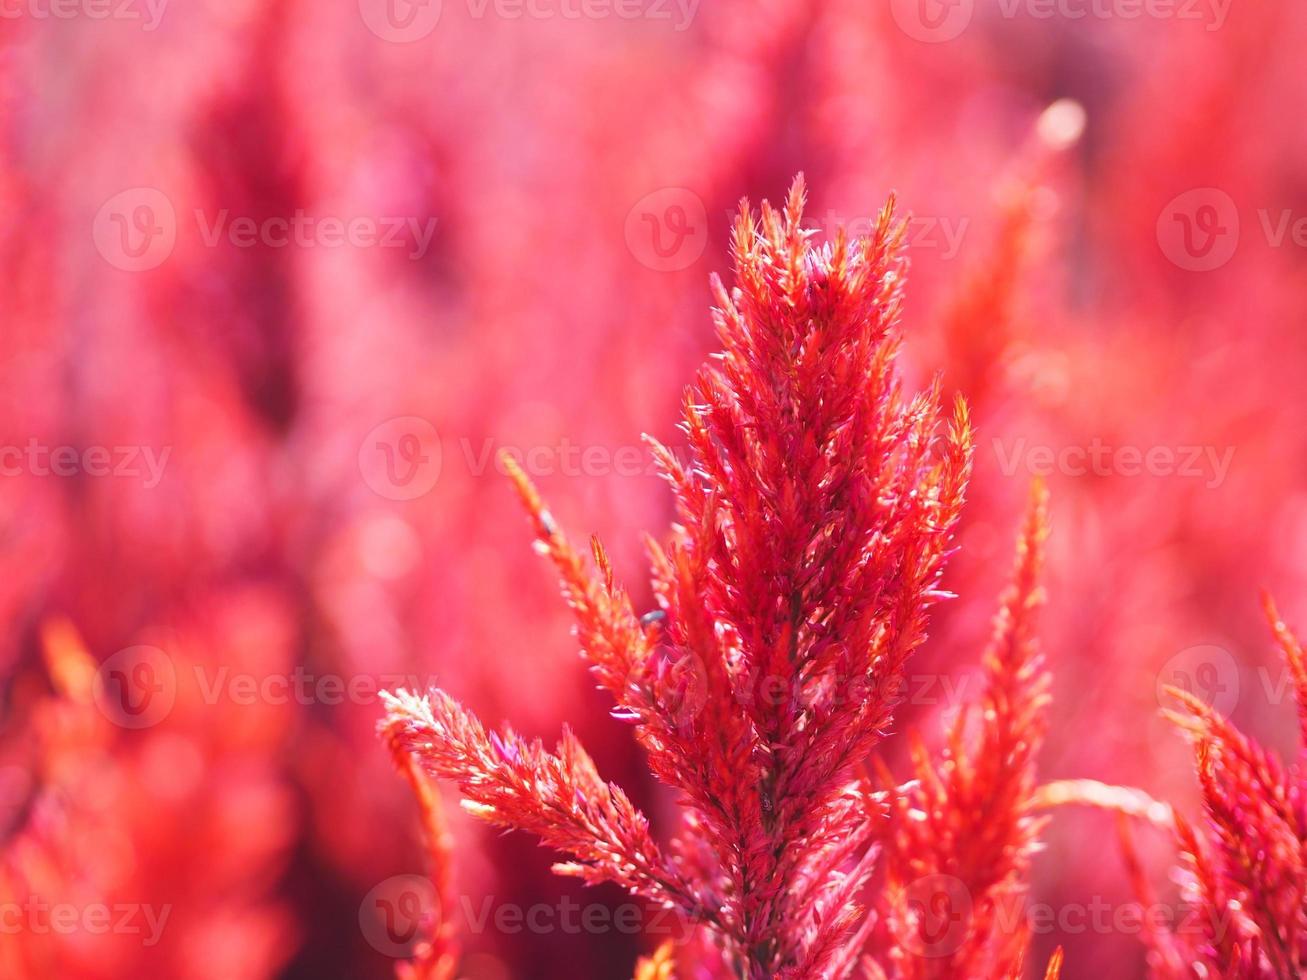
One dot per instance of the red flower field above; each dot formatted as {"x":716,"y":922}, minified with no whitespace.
{"x":905,"y":398}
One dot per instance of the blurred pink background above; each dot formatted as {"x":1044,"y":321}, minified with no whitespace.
{"x":282,"y":278}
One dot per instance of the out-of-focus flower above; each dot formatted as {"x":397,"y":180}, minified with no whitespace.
{"x":1243,"y":871}
{"x":962,"y":833}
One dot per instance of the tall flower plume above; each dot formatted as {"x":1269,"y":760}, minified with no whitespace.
{"x":815,"y":516}
{"x":1243,"y":870}
{"x":961,"y":834}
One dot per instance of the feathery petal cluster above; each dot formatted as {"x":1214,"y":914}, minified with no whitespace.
{"x":815,"y":516}
{"x":557,"y":796}
{"x":962,"y":832}
{"x":1245,"y":869}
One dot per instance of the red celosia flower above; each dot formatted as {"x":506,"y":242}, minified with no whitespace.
{"x":962,"y":833}
{"x":1245,"y":872}
{"x":815,"y":517}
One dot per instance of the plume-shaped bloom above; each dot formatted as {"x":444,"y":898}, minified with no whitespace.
{"x":815,"y":518}
{"x":1244,"y":870}
{"x":961,"y":834}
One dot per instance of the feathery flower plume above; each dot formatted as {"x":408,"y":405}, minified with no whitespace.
{"x":961,"y":834}
{"x":1245,"y":870}
{"x":814,"y":521}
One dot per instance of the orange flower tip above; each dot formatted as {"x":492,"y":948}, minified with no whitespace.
{"x":527,"y":492}
{"x":569,"y":869}
{"x":483,"y":811}
{"x":1054,"y":965}
{"x":71,"y":667}
{"x":1188,"y":699}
